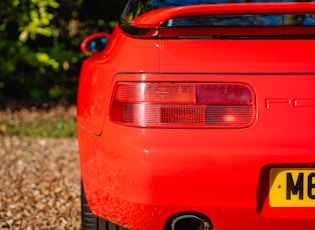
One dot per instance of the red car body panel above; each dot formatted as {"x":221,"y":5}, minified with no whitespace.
{"x":140,"y":177}
{"x":92,"y":102}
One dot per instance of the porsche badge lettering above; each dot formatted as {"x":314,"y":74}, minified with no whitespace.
{"x":294,"y":103}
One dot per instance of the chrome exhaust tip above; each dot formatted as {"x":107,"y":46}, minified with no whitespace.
{"x":190,"y":221}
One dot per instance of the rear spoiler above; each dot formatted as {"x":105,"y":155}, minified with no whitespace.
{"x":149,"y":24}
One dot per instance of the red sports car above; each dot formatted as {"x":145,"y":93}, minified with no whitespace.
{"x":200,"y":115}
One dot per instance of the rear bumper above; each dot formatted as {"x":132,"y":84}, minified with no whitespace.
{"x":139,"y":178}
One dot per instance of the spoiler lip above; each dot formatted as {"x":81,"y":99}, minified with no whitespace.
{"x":148,"y":25}
{"x":154,"y":18}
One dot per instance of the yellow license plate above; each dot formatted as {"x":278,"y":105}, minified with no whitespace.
{"x":292,"y":187}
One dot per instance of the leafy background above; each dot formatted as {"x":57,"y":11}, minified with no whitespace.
{"x":39,"y":43}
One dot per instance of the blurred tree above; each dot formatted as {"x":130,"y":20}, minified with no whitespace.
{"x":101,"y":14}
{"x":23,"y":61}
{"x":39,"y":44}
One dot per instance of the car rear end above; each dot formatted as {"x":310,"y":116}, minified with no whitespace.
{"x":212,"y":125}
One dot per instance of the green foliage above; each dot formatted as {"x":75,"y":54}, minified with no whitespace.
{"x":42,"y":127}
{"x":38,"y":22}
{"x":39,"y":44}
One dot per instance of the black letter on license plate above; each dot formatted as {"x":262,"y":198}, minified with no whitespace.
{"x":311,"y":186}
{"x":295,"y":188}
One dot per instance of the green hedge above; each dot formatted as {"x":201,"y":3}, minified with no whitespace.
{"x":39,"y":44}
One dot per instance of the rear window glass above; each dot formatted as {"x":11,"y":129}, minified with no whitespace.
{"x":136,"y":8}
{"x":243,"y":20}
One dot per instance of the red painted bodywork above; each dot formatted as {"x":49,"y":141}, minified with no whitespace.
{"x":139,"y":177}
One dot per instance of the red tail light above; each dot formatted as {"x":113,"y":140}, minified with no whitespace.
{"x":183,"y":105}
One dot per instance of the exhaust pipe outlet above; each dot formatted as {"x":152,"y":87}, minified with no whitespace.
{"x":191,"y":221}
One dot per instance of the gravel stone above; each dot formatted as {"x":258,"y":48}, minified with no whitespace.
{"x":39,"y":183}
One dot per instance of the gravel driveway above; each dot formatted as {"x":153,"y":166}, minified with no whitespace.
{"x":39,"y":183}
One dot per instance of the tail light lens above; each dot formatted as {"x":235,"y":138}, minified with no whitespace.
{"x":183,"y":105}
